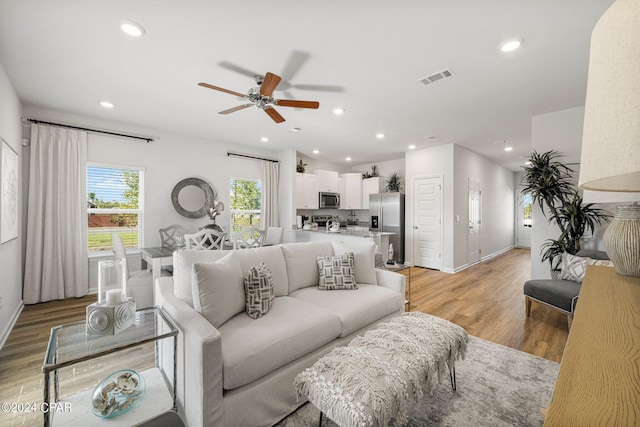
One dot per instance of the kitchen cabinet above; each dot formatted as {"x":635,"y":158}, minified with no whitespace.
{"x":306,"y":191}
{"x":351,"y":196}
{"x":373,"y":185}
{"x":327,"y":181}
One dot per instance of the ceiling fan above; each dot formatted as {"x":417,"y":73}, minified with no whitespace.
{"x":262,"y":97}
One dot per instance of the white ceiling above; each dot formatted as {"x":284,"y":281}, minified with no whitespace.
{"x":70,"y":54}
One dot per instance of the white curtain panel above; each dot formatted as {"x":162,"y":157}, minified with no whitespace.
{"x":270,"y":172}
{"x":56,"y":264}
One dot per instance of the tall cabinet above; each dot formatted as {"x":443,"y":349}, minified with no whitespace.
{"x":373,"y":185}
{"x":306,"y":191}
{"x":351,"y":191}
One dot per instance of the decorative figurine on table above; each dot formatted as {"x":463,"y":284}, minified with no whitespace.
{"x":390,"y":260}
{"x":214,"y":211}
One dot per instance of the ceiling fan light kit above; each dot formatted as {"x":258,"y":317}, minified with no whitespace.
{"x":262,"y":97}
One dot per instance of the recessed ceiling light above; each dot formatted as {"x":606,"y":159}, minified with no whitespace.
{"x":412,"y":147}
{"x":338,"y":111}
{"x":264,"y":139}
{"x":511,"y":44}
{"x":508,"y":148}
{"x":107,"y":104}
{"x":380,"y":135}
{"x":348,"y":159}
{"x":132,"y":28}
{"x":316,"y":151}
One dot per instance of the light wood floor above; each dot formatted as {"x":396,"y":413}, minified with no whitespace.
{"x":485,"y":299}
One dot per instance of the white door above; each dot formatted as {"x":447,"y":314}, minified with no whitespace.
{"x":523,"y":228}
{"x":427,"y":222}
{"x":475,"y":219}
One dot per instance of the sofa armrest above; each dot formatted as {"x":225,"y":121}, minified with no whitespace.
{"x":391,"y":280}
{"x":199,"y":359}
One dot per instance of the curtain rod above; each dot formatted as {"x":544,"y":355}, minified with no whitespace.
{"x":231,"y":153}
{"x":106,"y":132}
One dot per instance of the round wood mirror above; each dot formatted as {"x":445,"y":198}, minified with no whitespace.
{"x":191,"y":197}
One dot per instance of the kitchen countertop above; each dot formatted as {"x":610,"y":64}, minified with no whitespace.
{"x":359,"y":233}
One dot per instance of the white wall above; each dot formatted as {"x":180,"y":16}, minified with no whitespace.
{"x":11,"y":251}
{"x":498,"y":205}
{"x":166,"y":162}
{"x":560,"y":131}
{"x":385,"y":169}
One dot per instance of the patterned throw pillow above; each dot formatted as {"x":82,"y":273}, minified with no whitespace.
{"x":574,"y":267}
{"x":336,"y":272}
{"x":258,"y":289}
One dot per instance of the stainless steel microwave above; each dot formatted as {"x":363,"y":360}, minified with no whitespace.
{"x":329,"y":201}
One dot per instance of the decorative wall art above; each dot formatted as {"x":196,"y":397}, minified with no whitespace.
{"x":9,"y":193}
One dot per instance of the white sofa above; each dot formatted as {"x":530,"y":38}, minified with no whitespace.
{"x":241,"y":372}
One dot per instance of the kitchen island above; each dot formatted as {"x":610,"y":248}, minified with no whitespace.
{"x":358,"y":235}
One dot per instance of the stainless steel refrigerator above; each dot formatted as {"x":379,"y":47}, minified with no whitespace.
{"x":386,"y":214}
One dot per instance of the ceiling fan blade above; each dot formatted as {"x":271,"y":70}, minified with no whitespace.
{"x":269,"y":84}
{"x":207,"y":85}
{"x":275,"y":116}
{"x":234,"y":109}
{"x":297,"y":104}
{"x":295,"y":61}
{"x":236,"y":68}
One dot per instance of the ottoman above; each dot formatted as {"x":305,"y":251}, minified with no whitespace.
{"x":380,"y":374}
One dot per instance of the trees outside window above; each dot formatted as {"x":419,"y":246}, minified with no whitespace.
{"x":246,"y":203}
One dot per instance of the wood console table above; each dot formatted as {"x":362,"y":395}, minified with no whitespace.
{"x":599,"y":379}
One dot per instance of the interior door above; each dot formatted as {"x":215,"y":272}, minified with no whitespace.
{"x":475,"y":220}
{"x":427,"y":222}
{"x":523,"y":228}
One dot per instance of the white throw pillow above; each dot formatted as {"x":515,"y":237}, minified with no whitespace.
{"x":218,"y":289}
{"x":364,"y":260}
{"x":574,"y":267}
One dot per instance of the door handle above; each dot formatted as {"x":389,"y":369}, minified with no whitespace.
{"x":415,"y":227}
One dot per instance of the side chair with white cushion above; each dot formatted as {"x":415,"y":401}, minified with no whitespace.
{"x":250,"y":237}
{"x":206,"y":238}
{"x":140,"y":283}
{"x":273,"y":236}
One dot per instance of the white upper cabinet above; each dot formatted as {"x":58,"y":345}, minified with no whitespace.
{"x":327,"y":181}
{"x":371,"y":186}
{"x":307,"y":191}
{"x":351,"y":196}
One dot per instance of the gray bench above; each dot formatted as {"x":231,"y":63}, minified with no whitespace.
{"x":561,"y":295}
{"x":380,"y":374}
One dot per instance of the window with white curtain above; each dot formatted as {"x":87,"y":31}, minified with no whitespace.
{"x":246,"y":203}
{"x":115,"y":203}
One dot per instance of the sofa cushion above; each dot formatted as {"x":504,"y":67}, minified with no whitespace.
{"x":258,"y":291}
{"x":302,"y":270}
{"x":273,"y":258}
{"x":218,"y":289}
{"x":357,"y":308}
{"x":291,"y":329}
{"x":183,"y":261}
{"x":336,"y":272}
{"x":364,"y":259}
{"x":558,"y":293}
{"x":574,"y":267}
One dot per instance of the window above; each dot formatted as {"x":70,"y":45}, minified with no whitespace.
{"x":246,"y":203}
{"x":115,"y":201}
{"x":527,"y":208}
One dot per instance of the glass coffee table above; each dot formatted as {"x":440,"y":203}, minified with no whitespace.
{"x":69,"y":345}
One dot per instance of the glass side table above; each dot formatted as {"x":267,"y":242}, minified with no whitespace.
{"x":69,"y":344}
{"x":396,"y":268}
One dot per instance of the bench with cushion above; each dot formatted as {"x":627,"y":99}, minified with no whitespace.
{"x":562,"y":294}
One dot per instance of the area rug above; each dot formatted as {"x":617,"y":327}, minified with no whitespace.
{"x":497,"y":386}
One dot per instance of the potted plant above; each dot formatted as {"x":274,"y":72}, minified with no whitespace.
{"x":300,"y":167}
{"x":393,"y":183}
{"x":551,"y":187}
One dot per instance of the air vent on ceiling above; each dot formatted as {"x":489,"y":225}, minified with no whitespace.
{"x":437,"y":76}
{"x":432,"y":137}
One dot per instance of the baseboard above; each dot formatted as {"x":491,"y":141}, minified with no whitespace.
{"x":483,"y":259}
{"x":11,"y":324}
{"x":495,"y":254}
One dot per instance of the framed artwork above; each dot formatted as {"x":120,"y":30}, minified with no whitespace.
{"x":8,"y":193}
